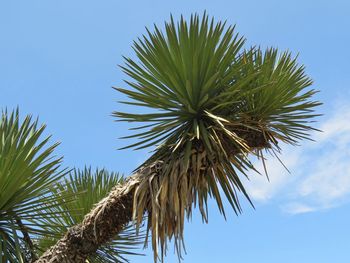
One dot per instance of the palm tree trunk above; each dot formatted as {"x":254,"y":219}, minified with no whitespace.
{"x":104,"y":221}
{"x":111,"y":215}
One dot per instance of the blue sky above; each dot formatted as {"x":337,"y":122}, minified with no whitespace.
{"x":58,"y":61}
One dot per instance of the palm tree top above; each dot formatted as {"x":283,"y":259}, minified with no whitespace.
{"x":209,"y":103}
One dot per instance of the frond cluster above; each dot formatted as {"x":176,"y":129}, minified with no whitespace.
{"x":213,"y":103}
{"x":28,"y":169}
{"x":39,"y":201}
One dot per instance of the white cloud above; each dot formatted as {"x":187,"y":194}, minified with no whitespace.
{"x":260,"y":189}
{"x":320,"y":171}
{"x":330,"y":178}
{"x":298,"y":208}
{"x":338,"y":125}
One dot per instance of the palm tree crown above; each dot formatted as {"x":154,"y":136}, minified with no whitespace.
{"x":214,"y":103}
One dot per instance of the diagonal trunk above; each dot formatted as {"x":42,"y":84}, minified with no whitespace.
{"x":104,"y":221}
{"x":110,"y":216}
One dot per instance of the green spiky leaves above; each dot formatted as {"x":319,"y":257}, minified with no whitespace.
{"x":36,"y":206}
{"x":213,"y":104}
{"x":28,"y":170}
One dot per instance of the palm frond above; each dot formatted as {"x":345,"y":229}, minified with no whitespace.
{"x":28,"y":169}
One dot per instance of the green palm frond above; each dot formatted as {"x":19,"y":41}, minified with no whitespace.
{"x":213,"y":103}
{"x":27,"y":171}
{"x":87,"y":188}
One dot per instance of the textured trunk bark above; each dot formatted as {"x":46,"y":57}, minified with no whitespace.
{"x":98,"y":227}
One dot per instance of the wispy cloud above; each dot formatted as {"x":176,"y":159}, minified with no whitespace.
{"x":297,"y":208}
{"x":320,"y":171}
{"x":260,"y":189}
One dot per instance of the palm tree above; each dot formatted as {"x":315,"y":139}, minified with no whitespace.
{"x":211,"y":104}
{"x":38,"y":202}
